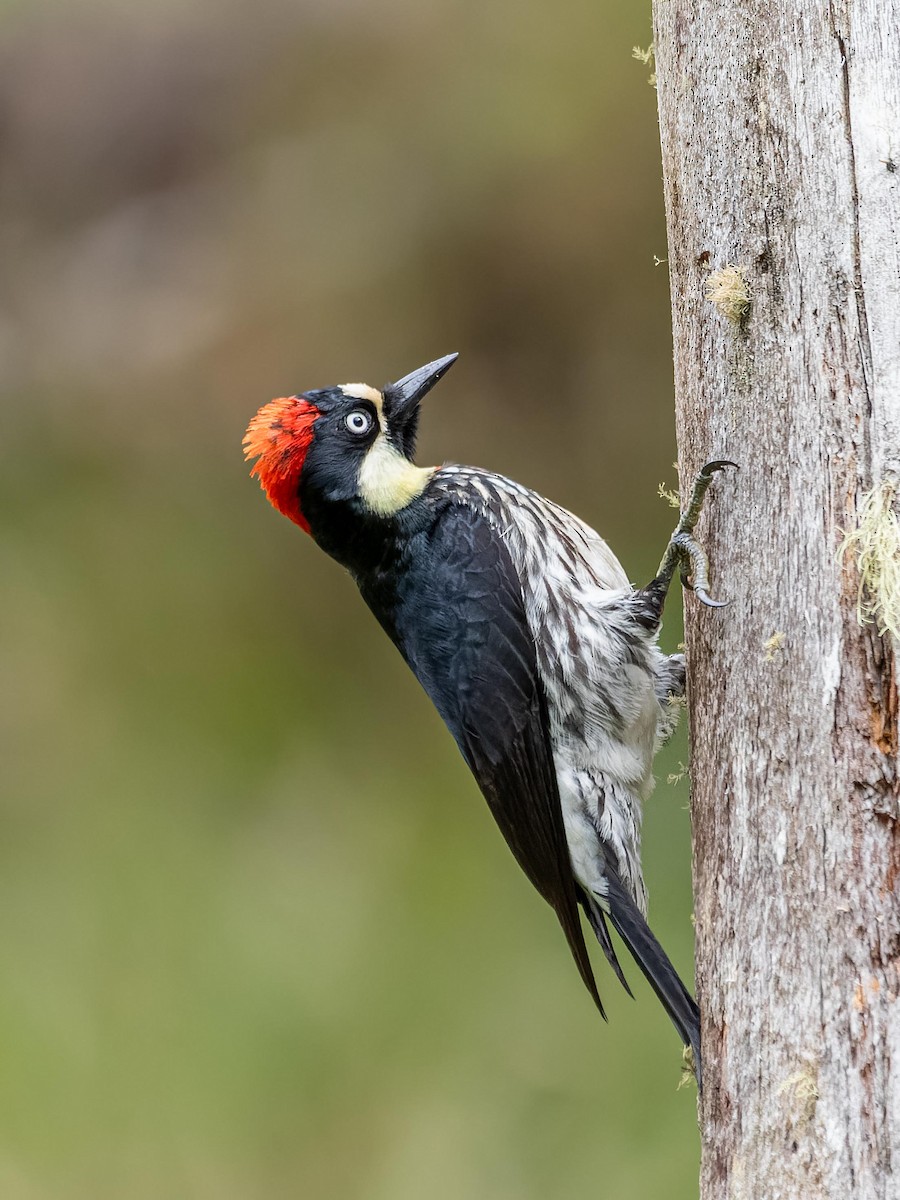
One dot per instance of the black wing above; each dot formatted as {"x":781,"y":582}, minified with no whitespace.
{"x":458,"y":618}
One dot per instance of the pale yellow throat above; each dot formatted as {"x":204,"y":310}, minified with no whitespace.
{"x":388,"y":481}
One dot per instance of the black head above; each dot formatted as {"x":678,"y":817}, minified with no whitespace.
{"x":363,"y":442}
{"x":349,"y":446}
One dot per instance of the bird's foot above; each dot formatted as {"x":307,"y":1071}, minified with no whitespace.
{"x":684,"y":553}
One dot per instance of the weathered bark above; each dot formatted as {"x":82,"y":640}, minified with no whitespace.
{"x":780,"y":127}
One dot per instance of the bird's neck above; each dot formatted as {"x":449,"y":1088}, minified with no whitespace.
{"x":361,"y":540}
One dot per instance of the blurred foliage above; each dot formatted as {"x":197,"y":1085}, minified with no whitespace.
{"x":259,"y":935}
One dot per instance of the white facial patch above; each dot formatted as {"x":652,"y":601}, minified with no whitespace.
{"x":388,"y":481}
{"x":362,"y":391}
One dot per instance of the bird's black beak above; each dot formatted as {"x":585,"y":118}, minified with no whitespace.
{"x":401,"y":400}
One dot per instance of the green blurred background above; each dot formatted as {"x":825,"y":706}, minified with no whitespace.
{"x":258,"y":934}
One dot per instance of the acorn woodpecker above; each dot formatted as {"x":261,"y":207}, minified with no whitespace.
{"x":522,"y":627}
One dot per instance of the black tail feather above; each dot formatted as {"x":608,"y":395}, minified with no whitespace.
{"x":595,"y":915}
{"x":651,"y":958}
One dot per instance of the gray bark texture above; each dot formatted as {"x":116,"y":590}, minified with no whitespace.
{"x":780,"y":130}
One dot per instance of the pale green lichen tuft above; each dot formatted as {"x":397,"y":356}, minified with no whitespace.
{"x":773,"y":646}
{"x":803,"y":1087}
{"x":648,"y":58}
{"x":875,"y":543}
{"x":681,"y":774}
{"x":671,"y":497}
{"x":688,"y":1068}
{"x":729,"y":291}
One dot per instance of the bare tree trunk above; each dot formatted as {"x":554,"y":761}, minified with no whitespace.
{"x":780,"y":126}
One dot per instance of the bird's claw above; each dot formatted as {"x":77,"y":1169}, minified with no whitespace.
{"x":684,"y":551}
{"x":718,"y":464}
{"x":705,"y":598}
{"x":701,"y":592}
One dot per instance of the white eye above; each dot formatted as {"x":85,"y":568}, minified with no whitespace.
{"x":359,"y":421}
